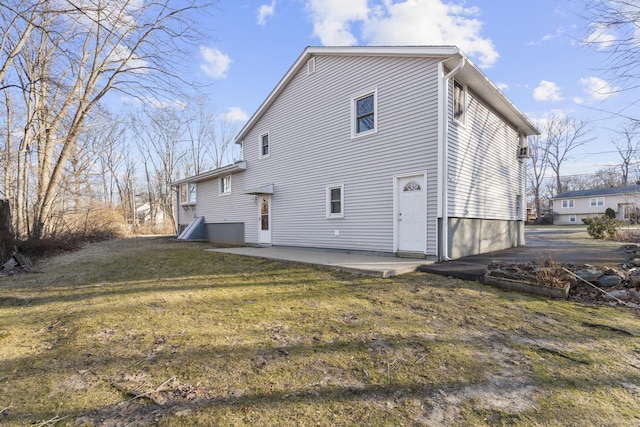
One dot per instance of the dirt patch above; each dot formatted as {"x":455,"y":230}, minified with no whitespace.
{"x":510,"y":388}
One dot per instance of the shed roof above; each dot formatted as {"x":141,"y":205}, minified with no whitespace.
{"x":605,"y":191}
{"x":472,"y":76}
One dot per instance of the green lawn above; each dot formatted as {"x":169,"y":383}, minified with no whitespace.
{"x":151,"y":331}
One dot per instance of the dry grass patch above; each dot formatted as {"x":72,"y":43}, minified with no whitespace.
{"x":157,"y":332}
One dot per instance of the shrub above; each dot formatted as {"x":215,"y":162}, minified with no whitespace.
{"x":610,"y":213}
{"x":603,"y":227}
{"x":49,"y":246}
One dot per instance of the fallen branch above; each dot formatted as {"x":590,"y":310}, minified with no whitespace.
{"x":594,"y":286}
{"x":146,"y":394}
{"x":5,"y":410}
{"x":53,"y":421}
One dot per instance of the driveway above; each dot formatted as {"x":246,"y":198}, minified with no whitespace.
{"x":570,"y":245}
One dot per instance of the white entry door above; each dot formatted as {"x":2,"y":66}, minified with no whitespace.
{"x":264,"y":219}
{"x":411,"y":214}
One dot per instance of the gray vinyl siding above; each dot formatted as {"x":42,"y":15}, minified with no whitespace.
{"x":217,"y":208}
{"x":485,"y":175}
{"x":309,"y":126}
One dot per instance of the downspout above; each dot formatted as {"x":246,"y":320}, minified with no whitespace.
{"x":443,"y":254}
{"x":177,"y":209}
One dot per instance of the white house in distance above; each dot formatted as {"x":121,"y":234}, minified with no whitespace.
{"x":574,"y":206}
{"x":369,"y":149}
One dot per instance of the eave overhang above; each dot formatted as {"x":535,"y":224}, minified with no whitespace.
{"x":261,"y":190}
{"x":226,"y":170}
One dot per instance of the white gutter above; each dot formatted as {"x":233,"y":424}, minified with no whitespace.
{"x":443,"y":253}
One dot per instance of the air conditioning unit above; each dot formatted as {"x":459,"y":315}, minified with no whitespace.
{"x":524,"y":152}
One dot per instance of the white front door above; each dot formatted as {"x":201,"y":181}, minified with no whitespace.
{"x":411,"y":214}
{"x":264,"y":220}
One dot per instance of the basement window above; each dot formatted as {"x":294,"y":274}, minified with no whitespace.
{"x":188,"y":194}
{"x":335,"y":201}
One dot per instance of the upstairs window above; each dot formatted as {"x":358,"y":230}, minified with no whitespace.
{"x":568,"y":203}
{"x":225,"y":184}
{"x":364,"y":112}
{"x":596,"y":201}
{"x":459,"y":102}
{"x":265,"y":146}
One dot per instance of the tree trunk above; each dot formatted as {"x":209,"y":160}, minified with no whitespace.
{"x":6,"y":233}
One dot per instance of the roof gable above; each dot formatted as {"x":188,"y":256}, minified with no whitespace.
{"x":450,"y":55}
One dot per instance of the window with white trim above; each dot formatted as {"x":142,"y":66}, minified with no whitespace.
{"x":459,"y":102}
{"x":265,"y":145}
{"x":364,"y":114}
{"x":596,"y":201}
{"x":572,"y":218}
{"x":335,"y":201}
{"x":188,"y":194}
{"x":225,"y":184}
{"x":568,"y":203}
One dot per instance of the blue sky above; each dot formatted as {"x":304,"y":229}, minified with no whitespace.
{"x":531,"y":49}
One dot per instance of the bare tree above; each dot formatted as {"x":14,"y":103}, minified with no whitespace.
{"x":563,"y":135}
{"x":223,"y":141}
{"x":614,"y":28}
{"x":210,"y":138}
{"x":6,"y":233}
{"x":627,"y":145}
{"x":201,"y":134}
{"x":66,"y":57}
{"x":539,"y":163}
{"x":607,"y":177}
{"x":158,"y":135}
{"x":18,"y":19}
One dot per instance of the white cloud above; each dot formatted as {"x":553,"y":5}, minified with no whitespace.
{"x":597,"y":88}
{"x":214,"y":63}
{"x":408,"y":22}
{"x":547,"y":91}
{"x":122,"y":54}
{"x":559,"y":32}
{"x":600,"y":36}
{"x":265,"y":11}
{"x":431,"y":22}
{"x":502,"y":86}
{"x":234,"y":114}
{"x":332,"y":20}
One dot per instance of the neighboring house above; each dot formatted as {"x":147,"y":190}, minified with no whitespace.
{"x":369,"y":148}
{"x":144,"y":215}
{"x":574,"y":206}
